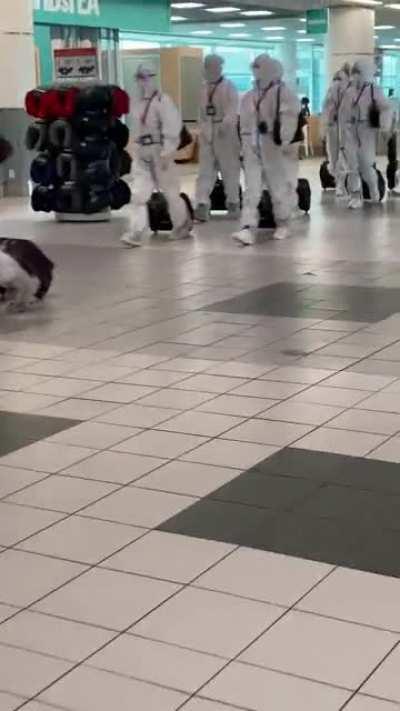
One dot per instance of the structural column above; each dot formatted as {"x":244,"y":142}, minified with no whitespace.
{"x":17,"y":76}
{"x":350,"y":36}
{"x":289,"y":61}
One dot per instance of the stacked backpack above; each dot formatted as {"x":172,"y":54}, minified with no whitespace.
{"x":81,"y":143}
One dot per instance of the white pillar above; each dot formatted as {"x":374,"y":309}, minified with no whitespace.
{"x":17,"y":53}
{"x":350,"y":36}
{"x":289,"y":61}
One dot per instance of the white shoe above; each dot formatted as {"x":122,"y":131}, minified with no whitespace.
{"x":297,"y":213}
{"x":246,"y":236}
{"x":340,"y":193}
{"x":281,"y":232}
{"x":355,"y":203}
{"x":130,"y":240}
{"x":202,"y":213}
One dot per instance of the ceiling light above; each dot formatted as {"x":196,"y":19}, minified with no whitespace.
{"x":273,"y":29}
{"x":302,"y":19}
{"x":274,"y":38}
{"x":202,"y":32}
{"x":256,"y":13}
{"x":177,"y":18}
{"x":388,"y":46}
{"x":232,"y":24}
{"x":305,"y":39}
{"x":186,"y":5}
{"x":394,"y":5}
{"x":384,"y":27}
{"x":239,"y":35}
{"x":366,"y":2}
{"x":222,"y":9}
{"x":301,"y":32}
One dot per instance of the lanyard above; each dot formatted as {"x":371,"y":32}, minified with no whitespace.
{"x":213,"y":90}
{"x":145,"y":113}
{"x":262,"y":97}
{"x":355,"y":103}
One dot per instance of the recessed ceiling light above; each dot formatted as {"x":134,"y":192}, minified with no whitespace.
{"x":388,"y":46}
{"x":240,"y":35}
{"x":302,"y":19}
{"x":366,"y":2}
{"x":301,"y":32}
{"x":273,"y":29}
{"x":256,"y":13}
{"x":384,"y":27}
{"x":394,"y":5}
{"x":177,"y":18}
{"x":222,"y":9}
{"x":275,"y":38}
{"x":305,"y":39}
{"x":201,"y":32}
{"x":232,"y":24}
{"x":186,"y":5}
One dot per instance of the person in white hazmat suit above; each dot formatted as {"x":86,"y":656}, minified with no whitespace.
{"x":332,"y":128}
{"x":156,"y":128}
{"x":219,"y":140}
{"x":363,"y":111}
{"x":268,"y":162}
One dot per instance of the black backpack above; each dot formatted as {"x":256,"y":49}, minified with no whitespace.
{"x":301,"y":122}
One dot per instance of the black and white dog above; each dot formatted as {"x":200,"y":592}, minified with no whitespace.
{"x":26,"y":273}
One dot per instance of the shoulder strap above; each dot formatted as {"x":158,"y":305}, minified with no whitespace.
{"x":214,"y":89}
{"x":278,"y":102}
{"x":145,"y":113}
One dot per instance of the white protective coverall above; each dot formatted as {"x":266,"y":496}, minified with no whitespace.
{"x":219,"y":140}
{"x":266,"y":163}
{"x":156,"y":127}
{"x":333,"y":129}
{"x":359,"y":138}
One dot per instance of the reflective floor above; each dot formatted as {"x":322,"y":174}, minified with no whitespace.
{"x":199,"y":469}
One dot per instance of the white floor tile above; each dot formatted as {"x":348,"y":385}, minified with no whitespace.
{"x":267,"y":432}
{"x":176,"y":399}
{"x":139,"y":507}
{"x":357,"y":597}
{"x":168,"y":556}
{"x":19,"y":381}
{"x":93,"y":690}
{"x":185,"y":365}
{"x":366,"y":703}
{"x":25,"y":402}
{"x":18,"y":522}
{"x":114,"y":467}
{"x":136,"y":415}
{"x":103,"y":372}
{"x":76,"y":409}
{"x":158,"y":663}
{"x":38,"y":671}
{"x":337,"y":653}
{"x":240,"y":455}
{"x":9,"y":702}
{"x":45,"y":457}
{"x":6,"y":611}
{"x":64,"y":387}
{"x":359,"y":381}
{"x":294,"y":374}
{"x":95,"y":435}
{"x":118,"y":392}
{"x":64,"y":639}
{"x":382,"y":402}
{"x":167,"y":444}
{"x":203,"y":620}
{"x":327,"y":439}
{"x":197,"y":704}
{"x":236,"y":405}
{"x":26,"y":577}
{"x":301,"y":412}
{"x":82,"y":540}
{"x":386,"y":680}
{"x":388,"y":452}
{"x":187,"y":478}
{"x":107,"y":599}
{"x":259,"y":689}
{"x":367,"y":421}
{"x":58,"y":493}
{"x":338,"y":397}
{"x":155,"y":378}
{"x":201,"y":423}
{"x":235,"y":369}
{"x":268,"y":389}
{"x":264,"y":576}
{"x":210,"y":383}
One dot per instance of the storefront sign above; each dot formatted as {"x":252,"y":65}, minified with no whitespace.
{"x":79,"y":63}
{"x":128,"y":15}
{"x":317,"y":22}
{"x":71,"y":7}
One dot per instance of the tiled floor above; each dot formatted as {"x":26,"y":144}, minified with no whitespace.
{"x":199,"y":470}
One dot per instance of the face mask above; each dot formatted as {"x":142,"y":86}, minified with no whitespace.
{"x":213,"y":70}
{"x":146,"y":84}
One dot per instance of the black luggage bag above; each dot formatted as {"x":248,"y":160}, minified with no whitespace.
{"x":393,"y":164}
{"x":159,"y":218}
{"x":267,"y":219}
{"x":328,"y":181}
{"x":218,"y":197}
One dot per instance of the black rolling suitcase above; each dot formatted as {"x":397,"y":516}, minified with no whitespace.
{"x":218,"y":197}
{"x":393,"y":164}
{"x":304,"y":194}
{"x":381,"y":187}
{"x":328,"y":181}
{"x":159,"y":218}
{"x":267,"y":219}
